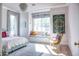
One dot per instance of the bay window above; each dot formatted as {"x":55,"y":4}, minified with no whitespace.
{"x":41,"y":22}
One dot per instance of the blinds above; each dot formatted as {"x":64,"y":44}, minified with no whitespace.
{"x":41,"y":15}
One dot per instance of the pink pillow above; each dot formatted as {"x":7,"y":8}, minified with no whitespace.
{"x":4,"y":34}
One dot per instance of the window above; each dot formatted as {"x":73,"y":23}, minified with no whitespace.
{"x":41,"y":22}
{"x":12,"y":23}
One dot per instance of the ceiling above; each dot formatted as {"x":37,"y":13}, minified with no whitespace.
{"x":31,"y":6}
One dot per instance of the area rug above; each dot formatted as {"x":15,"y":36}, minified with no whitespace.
{"x":32,"y":50}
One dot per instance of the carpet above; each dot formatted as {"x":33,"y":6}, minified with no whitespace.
{"x":32,"y":49}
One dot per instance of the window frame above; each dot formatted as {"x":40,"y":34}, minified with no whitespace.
{"x":8,"y":21}
{"x":41,"y":20}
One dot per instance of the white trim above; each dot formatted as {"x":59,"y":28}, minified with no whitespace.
{"x":38,"y":10}
{"x":8,"y":8}
{"x":47,"y":9}
{"x":0,"y":29}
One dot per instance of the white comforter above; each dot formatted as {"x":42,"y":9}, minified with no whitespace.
{"x":10,"y":42}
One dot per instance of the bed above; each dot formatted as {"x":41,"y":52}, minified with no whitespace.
{"x":13,"y":43}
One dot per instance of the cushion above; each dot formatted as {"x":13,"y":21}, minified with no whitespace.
{"x":33,"y":33}
{"x":56,"y":39}
{"x":4,"y":34}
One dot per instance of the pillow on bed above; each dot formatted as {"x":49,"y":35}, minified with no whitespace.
{"x":4,"y":34}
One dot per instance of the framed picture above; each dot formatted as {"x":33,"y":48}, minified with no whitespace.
{"x":59,"y":23}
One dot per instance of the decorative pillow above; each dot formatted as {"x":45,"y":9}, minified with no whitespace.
{"x":33,"y":33}
{"x":4,"y":34}
{"x":56,"y":39}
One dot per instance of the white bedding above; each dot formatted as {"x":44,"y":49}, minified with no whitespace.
{"x":10,"y":42}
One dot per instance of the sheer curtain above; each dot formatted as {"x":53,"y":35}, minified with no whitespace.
{"x":12,"y":23}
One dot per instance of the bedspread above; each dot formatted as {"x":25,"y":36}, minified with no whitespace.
{"x":10,"y":42}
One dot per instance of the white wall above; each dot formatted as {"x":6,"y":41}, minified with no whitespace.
{"x":74,"y":27}
{"x":61,"y":10}
{"x":4,"y":18}
{"x":0,"y":28}
{"x":30,"y":22}
{"x":23,"y":26}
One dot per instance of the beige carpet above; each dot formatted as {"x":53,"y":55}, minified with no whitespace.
{"x":62,"y":50}
{"x":34,"y":49}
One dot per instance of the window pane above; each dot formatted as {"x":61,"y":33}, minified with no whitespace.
{"x":12,"y":24}
{"x":42,"y":24}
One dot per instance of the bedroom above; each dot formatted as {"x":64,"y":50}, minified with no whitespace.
{"x":33,"y":25}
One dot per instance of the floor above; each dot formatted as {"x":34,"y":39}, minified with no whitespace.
{"x":34,"y":49}
{"x":60,"y":50}
{"x":65,"y":50}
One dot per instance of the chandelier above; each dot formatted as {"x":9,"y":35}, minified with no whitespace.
{"x":23,"y":6}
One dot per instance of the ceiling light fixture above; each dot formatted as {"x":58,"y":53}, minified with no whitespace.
{"x":23,"y":6}
{"x":33,"y":4}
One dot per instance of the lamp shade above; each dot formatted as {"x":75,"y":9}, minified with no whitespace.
{"x":23,"y":6}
